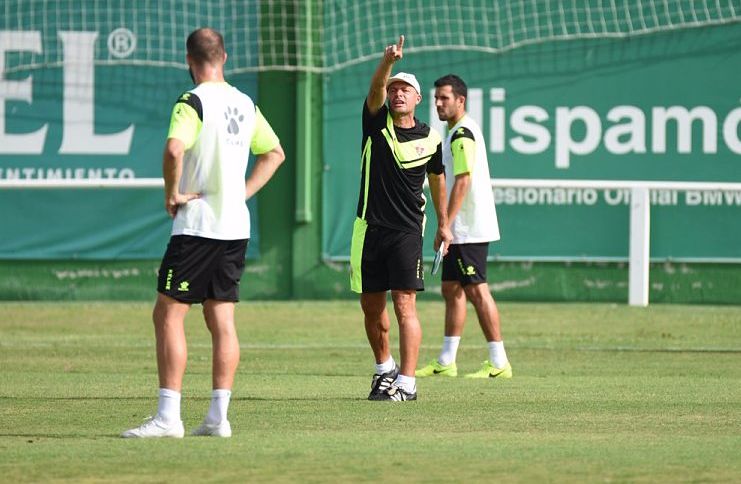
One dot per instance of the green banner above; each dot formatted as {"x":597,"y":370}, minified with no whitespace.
{"x":656,"y":107}
{"x":86,"y":93}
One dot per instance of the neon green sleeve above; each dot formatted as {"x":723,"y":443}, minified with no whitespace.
{"x":185,"y":124}
{"x":264,"y":138}
{"x":464,"y":155}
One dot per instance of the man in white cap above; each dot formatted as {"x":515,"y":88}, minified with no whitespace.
{"x":398,"y":150}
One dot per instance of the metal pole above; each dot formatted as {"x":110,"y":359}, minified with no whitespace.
{"x":640,"y":235}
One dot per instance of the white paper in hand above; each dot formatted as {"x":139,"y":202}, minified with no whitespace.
{"x":438,"y":259}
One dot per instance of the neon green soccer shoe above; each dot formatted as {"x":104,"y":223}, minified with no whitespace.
{"x":434,"y":368}
{"x":490,"y":371}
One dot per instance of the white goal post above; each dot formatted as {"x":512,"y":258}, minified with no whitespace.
{"x":640,"y":217}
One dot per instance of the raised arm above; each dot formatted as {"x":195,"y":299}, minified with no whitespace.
{"x":377,"y":91}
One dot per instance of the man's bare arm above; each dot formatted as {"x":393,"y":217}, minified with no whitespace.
{"x":439,"y":200}
{"x":377,"y":91}
{"x":265,"y":166}
{"x":458,"y":194}
{"x":172,"y":170}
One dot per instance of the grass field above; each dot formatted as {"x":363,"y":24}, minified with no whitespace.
{"x":600,"y":393}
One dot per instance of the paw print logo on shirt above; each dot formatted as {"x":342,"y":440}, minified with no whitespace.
{"x":233,"y":119}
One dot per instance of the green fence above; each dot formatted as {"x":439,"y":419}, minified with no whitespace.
{"x":598,"y":90}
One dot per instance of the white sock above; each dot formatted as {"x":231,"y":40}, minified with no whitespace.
{"x":449,"y":351}
{"x":168,"y":407}
{"x":406,"y":383}
{"x":219,"y":406}
{"x":497,"y":356}
{"x":386,"y":366}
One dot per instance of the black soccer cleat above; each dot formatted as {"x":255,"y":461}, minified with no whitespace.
{"x":381,"y":383}
{"x":398,"y":394}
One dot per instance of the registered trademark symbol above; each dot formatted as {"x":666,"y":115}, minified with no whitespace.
{"x":121,"y":43}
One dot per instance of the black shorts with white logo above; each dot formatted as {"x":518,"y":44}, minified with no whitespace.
{"x":466,"y":263}
{"x":194,"y":269}
{"x":389,"y":259}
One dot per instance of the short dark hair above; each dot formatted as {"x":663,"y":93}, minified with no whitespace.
{"x":456,"y":83}
{"x":205,"y":45}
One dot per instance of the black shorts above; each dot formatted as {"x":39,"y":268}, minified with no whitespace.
{"x":195,"y":269}
{"x":466,"y":263}
{"x":383,"y":259}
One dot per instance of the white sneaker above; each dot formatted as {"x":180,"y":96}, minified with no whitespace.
{"x":154,"y":427}
{"x":223,"y":429}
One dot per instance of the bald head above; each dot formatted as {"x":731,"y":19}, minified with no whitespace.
{"x":206,"y":46}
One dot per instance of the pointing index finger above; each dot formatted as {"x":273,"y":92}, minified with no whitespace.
{"x":401,"y":42}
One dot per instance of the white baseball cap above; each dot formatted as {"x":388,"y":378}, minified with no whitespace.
{"x":404,"y":77}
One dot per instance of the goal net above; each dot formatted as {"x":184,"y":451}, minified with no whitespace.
{"x":324,"y":36}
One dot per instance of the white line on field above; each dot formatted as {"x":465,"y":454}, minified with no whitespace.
{"x":363,"y":346}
